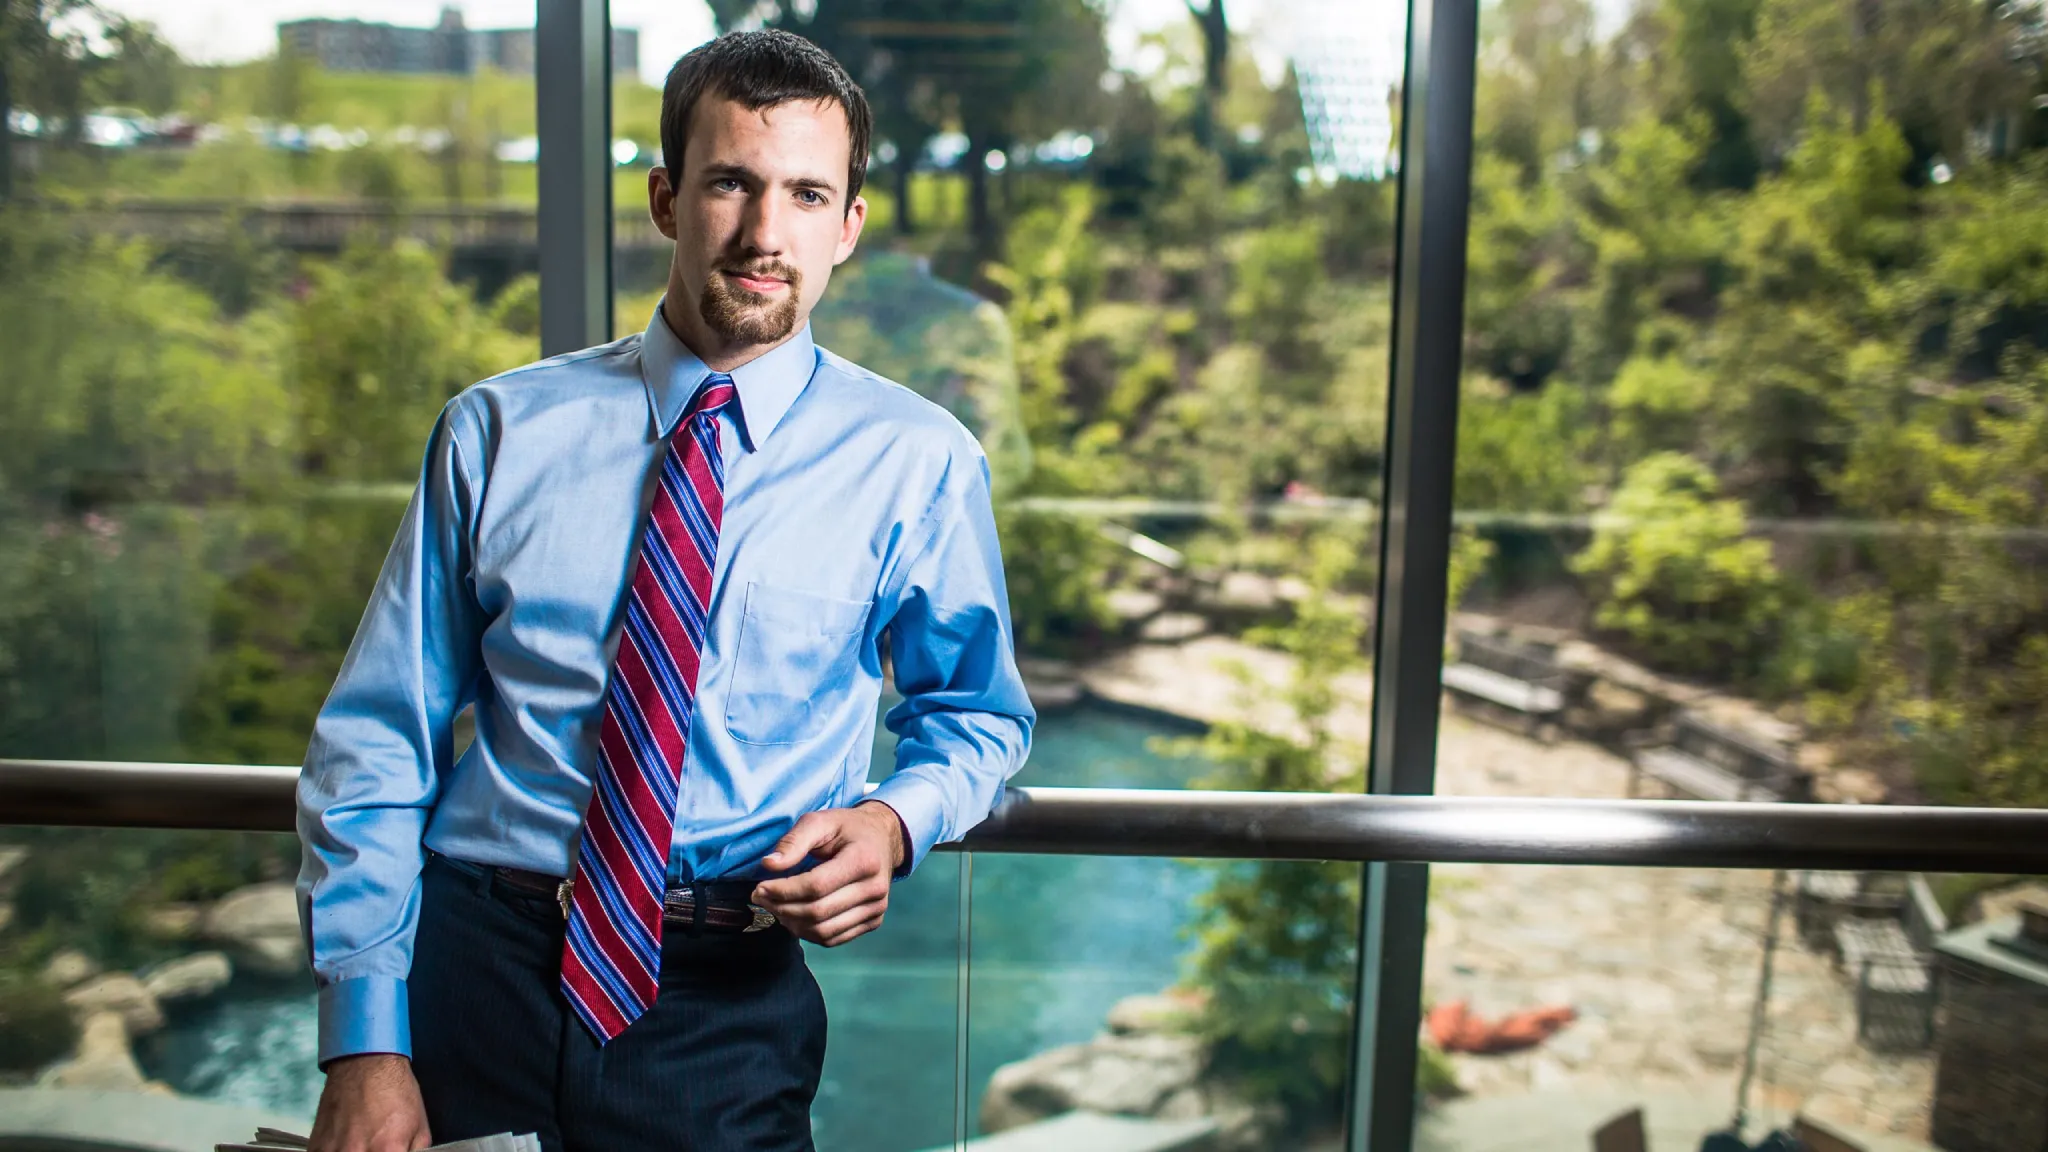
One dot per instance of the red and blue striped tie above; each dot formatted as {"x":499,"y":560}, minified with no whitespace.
{"x":611,"y":962}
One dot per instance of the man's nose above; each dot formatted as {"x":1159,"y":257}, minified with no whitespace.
{"x":761,"y":227}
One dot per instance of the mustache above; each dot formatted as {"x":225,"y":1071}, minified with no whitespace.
{"x":773,"y":269}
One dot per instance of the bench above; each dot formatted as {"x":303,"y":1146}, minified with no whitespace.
{"x":1822,"y":899}
{"x":1890,"y":958}
{"x":1710,"y":761}
{"x":1516,"y":682}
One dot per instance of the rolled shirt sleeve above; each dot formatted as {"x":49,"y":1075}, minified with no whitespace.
{"x":381,"y":745}
{"x":964,"y":725}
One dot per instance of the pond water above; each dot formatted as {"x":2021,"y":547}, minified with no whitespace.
{"x":1053,"y":940}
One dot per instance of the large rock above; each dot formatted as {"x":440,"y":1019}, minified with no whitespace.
{"x":70,"y":967}
{"x":193,"y":977}
{"x":121,"y":995}
{"x":1127,"y":1075}
{"x":174,"y":921}
{"x":103,"y":1060}
{"x":259,"y":925}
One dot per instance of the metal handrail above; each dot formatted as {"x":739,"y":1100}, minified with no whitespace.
{"x":1228,"y":825}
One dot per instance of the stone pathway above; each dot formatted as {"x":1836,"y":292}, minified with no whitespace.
{"x":1661,"y":964}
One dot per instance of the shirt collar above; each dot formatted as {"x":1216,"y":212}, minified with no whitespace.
{"x":767,"y":385}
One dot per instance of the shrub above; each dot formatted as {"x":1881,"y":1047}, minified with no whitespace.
{"x":35,"y":1026}
{"x":1675,"y":573}
{"x":1277,"y":941}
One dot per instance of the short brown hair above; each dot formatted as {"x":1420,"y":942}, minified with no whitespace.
{"x":759,"y":70}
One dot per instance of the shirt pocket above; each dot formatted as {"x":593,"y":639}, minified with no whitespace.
{"x":793,"y":647}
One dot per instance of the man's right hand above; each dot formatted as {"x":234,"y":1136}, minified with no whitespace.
{"x":371,"y":1104}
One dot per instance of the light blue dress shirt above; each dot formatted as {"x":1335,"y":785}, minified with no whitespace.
{"x":852,"y":506}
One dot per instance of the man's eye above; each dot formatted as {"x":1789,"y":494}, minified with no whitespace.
{"x":812,"y":196}
{"x":726,"y":184}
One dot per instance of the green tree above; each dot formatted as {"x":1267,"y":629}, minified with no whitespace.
{"x":1276,"y":941}
{"x":1939,"y":69}
{"x":141,"y":70}
{"x":1677,"y":575}
{"x":123,"y":457}
{"x":378,"y":345}
{"x":1809,"y":290}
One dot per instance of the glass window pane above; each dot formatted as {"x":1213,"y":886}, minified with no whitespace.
{"x":1739,"y":456}
{"x":1749,"y":450}
{"x":246,"y":266}
{"x":1158,"y":293}
{"x":1143,"y":257}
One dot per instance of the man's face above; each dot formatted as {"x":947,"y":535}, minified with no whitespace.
{"x":760,"y":218}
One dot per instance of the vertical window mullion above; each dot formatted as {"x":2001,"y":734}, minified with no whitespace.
{"x":1415,"y":547}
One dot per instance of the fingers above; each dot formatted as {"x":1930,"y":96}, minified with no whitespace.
{"x":814,"y":831}
{"x":846,"y":895}
{"x":832,"y":931}
{"x":846,"y":926}
{"x":834,"y":901}
{"x":832,"y":875}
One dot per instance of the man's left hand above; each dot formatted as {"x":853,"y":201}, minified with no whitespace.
{"x":845,"y":896}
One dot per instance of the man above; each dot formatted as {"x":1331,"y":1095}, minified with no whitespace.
{"x":658,"y":570}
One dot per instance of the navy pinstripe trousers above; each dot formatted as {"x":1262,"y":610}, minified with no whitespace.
{"x":727,"y":1059}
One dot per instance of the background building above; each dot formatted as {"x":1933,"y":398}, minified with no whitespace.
{"x":447,"y":47}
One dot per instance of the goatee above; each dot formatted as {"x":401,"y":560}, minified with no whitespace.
{"x":742,"y":317}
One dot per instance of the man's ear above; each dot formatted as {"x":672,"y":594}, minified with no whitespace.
{"x":849,"y":229}
{"x":661,"y":200}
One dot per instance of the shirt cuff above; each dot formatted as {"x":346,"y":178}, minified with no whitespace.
{"x":920,"y":808}
{"x":363,"y":1015}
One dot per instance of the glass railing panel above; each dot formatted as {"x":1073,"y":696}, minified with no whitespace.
{"x":167,"y":969}
{"x":893,"y":998}
{"x":155,"y":988}
{"x":1183,"y":997}
{"x":1889,"y":1011}
{"x":1163,"y":1000}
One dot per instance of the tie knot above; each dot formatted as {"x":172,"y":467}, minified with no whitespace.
{"x":716,"y":392}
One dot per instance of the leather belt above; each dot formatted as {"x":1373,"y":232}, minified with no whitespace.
{"x":724,"y":905}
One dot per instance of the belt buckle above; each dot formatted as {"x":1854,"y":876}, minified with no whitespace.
{"x":683,"y":903}
{"x":564,"y":893}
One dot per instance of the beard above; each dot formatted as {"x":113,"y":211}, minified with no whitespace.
{"x":742,"y":317}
